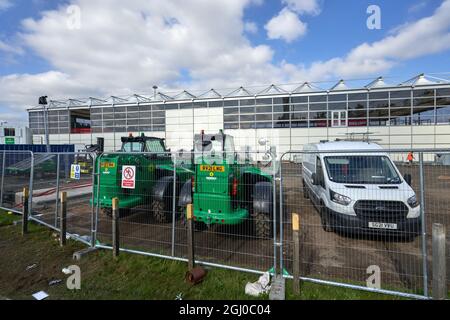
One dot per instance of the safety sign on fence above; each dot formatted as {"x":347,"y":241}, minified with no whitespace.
{"x":128,"y":177}
{"x":75,"y":172}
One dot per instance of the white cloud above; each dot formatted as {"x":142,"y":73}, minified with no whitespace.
{"x":303,"y":6}
{"x":5,"y":4}
{"x":418,"y":6}
{"x":251,"y":27}
{"x":424,"y":37}
{"x":286,"y":25}
{"x":11,"y":49}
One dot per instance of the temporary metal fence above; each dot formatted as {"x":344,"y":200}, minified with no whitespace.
{"x":153,"y":212}
{"x":16,"y":173}
{"x":365,"y":222}
{"x":358,"y":214}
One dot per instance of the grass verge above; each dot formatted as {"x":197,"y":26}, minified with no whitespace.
{"x":129,"y":277}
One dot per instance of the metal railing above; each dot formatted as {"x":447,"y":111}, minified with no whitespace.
{"x":357,"y":213}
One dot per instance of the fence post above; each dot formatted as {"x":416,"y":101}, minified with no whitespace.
{"x":190,"y":236}
{"x":3,"y":177}
{"x":174,"y":203}
{"x":25,"y":196}
{"x":95,"y":213}
{"x":439,"y":263}
{"x":296,"y":239}
{"x":62,"y":217}
{"x":57,"y":190}
{"x":276,"y":244}
{"x":115,"y":227}
{"x":423,"y":222}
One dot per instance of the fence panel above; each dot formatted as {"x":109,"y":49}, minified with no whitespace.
{"x":16,"y":173}
{"x":145,"y":222}
{"x":45,"y":186}
{"x":54,"y":173}
{"x":152,"y":206}
{"x":359,"y":217}
{"x":76,"y":177}
{"x":436,"y":173}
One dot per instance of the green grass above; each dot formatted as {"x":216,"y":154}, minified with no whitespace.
{"x":7,"y":218}
{"x":128,"y":277}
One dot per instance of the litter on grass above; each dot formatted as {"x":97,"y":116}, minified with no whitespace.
{"x":31,"y":266}
{"x":41,"y":295}
{"x":54,"y":282}
{"x":66,"y":271}
{"x":259,"y":287}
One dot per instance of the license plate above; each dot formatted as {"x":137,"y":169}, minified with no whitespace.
{"x":107,"y":165}
{"x":382,"y":225}
{"x":212,"y":168}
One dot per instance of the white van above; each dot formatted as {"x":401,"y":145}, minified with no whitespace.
{"x":359,"y":192}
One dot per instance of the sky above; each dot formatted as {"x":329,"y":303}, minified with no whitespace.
{"x":83,"y":48}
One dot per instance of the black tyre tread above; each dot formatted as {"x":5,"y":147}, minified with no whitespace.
{"x":324,"y":219}
{"x":263,"y":225}
{"x":159,"y":212}
{"x":107,"y":212}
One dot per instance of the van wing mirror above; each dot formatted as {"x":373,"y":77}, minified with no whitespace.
{"x":314,"y":179}
{"x":408,"y":178}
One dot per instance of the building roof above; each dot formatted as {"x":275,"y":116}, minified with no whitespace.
{"x":347,"y":145}
{"x":420,"y":80}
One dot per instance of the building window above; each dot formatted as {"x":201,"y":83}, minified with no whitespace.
{"x":443,"y":109}
{"x":80,"y":121}
{"x":9,"y":132}
{"x":338,"y":119}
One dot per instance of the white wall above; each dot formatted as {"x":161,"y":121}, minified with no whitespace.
{"x":180,"y":130}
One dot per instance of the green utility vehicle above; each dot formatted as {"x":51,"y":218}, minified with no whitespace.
{"x":224,"y":191}
{"x":153,"y":177}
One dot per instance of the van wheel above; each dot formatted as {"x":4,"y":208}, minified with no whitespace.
{"x":305,"y":191}
{"x":160,"y":212}
{"x":263,"y":225}
{"x":325,"y":218}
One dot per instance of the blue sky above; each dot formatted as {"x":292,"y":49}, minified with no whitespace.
{"x":124,"y":47}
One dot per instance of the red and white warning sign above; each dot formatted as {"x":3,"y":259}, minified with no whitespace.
{"x":128,"y":177}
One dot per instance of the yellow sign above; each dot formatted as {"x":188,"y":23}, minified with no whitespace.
{"x":212,"y":168}
{"x":107,"y":164}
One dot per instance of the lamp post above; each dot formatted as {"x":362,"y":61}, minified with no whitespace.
{"x":155,"y":87}
{"x":43,"y":103}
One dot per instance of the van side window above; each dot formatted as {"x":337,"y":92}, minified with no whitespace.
{"x":319,"y":172}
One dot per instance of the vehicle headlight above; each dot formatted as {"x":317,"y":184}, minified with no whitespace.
{"x":413,"y":202}
{"x":339,"y":198}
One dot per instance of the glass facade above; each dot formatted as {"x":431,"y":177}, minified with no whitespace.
{"x":398,"y":107}
{"x":390,"y":107}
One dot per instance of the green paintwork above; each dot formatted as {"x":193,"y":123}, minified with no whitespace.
{"x":149,"y":169}
{"x":212,"y":194}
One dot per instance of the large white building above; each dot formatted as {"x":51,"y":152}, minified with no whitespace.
{"x":414,"y":114}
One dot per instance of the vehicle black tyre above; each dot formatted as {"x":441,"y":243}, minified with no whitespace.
{"x":160,"y":212}
{"x":325,"y":218}
{"x":198,"y":226}
{"x":263,"y":225}
{"x":107,"y":212}
{"x":123,"y":212}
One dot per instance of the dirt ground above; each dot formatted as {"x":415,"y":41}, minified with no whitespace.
{"x":324,"y":255}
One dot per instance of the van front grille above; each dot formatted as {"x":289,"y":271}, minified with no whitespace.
{"x":381,"y":211}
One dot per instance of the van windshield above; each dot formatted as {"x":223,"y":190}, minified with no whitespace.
{"x":361,"y":170}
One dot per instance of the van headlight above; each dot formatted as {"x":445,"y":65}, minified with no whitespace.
{"x":339,"y":198}
{"x":413,"y":203}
